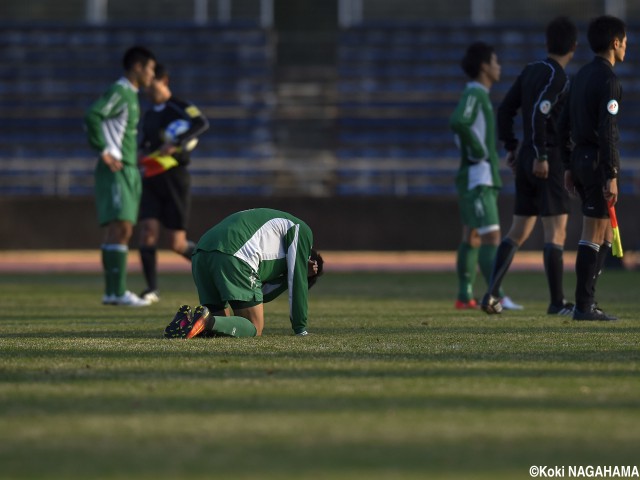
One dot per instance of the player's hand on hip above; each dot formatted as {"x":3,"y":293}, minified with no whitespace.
{"x":610,"y":191}
{"x":541,"y":167}
{"x":110,"y":161}
{"x":511,"y":161}
{"x":568,"y":183}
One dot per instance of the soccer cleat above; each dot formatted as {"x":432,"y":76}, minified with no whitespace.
{"x":153,"y":296}
{"x":201,"y":316}
{"x":491,"y":304}
{"x":508,"y":304}
{"x":179,"y":326}
{"x":129,"y":299}
{"x":594,"y":314}
{"x":466,"y":305}
{"x":565,"y":309}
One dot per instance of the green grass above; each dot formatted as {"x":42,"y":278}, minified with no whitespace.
{"x":391,"y":384}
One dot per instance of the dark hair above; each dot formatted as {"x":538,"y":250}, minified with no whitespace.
{"x":562,"y":35}
{"x":315,"y":257}
{"x":603,"y":31}
{"x":477,"y":53}
{"x":135,"y":55}
{"x":161,"y":71}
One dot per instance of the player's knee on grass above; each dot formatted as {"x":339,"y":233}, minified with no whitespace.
{"x":223,"y":324}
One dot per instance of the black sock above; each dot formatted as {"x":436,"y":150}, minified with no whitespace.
{"x":149,"y":261}
{"x":586,"y":269}
{"x":504,"y":256}
{"x":191,"y":246}
{"x":553,"y":268}
{"x":605,"y":249}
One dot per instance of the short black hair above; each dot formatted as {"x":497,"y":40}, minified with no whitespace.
{"x":161,"y":71}
{"x":135,"y":55}
{"x":477,"y":53}
{"x":315,"y":256}
{"x":603,"y":31}
{"x":562,"y":35}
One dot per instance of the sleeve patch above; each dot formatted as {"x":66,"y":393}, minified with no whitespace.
{"x":612,"y":107}
{"x":545,"y":107}
{"x":192,"y":111}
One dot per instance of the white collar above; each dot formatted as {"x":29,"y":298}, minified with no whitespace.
{"x":476,"y":84}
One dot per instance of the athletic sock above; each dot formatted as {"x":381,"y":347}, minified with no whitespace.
{"x":496,"y":263}
{"x":108,"y":271}
{"x":115,"y":266}
{"x":233,"y":326}
{"x":553,"y":268}
{"x":586,"y":269}
{"x":191,"y":246}
{"x":605,"y":249}
{"x":466,"y":266}
{"x":149,"y":260}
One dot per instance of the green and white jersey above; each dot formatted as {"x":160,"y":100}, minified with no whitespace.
{"x":112,"y":122}
{"x":276,"y":245}
{"x":474,"y":127}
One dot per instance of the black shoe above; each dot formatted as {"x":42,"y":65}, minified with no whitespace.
{"x":179,"y":326}
{"x":565,"y":309}
{"x":202,"y":320}
{"x":595,"y":314}
{"x":491,"y":304}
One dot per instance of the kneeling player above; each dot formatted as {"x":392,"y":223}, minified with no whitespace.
{"x":246,"y":260}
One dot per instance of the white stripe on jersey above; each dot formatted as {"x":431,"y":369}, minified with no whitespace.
{"x":479,"y":130}
{"x":113,"y":130}
{"x":291,"y":264}
{"x":266,"y":243}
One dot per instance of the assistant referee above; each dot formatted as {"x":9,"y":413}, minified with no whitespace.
{"x":592,"y":171}
{"x":166,"y":181}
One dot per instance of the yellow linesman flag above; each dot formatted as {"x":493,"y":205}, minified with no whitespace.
{"x":616,"y":245}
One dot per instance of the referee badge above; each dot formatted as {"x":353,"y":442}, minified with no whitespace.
{"x":545,"y":107}
{"x":612,"y":107}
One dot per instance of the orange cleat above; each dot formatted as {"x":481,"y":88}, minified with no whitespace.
{"x":200,"y":317}
{"x":470,"y":305}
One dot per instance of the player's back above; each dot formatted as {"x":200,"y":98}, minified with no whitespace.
{"x":261,"y":230}
{"x":544,"y":86}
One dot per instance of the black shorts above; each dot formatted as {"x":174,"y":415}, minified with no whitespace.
{"x":165,"y":197}
{"x":589,"y":179}
{"x":544,"y":197}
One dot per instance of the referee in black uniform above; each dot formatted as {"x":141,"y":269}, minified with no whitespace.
{"x":593,"y":166}
{"x":165,"y":181}
{"x":540,"y":93}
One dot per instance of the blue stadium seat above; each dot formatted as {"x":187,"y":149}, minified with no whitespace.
{"x":52,"y":73}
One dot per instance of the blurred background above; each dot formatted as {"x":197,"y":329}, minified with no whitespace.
{"x":334,"y":110}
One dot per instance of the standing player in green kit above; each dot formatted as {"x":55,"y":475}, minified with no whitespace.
{"x":112,"y":123}
{"x":246,"y":260}
{"x":478,"y":180}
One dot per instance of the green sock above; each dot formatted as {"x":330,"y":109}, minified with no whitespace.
{"x":466,"y":265}
{"x":106,"y":268}
{"x":486,"y":259}
{"x":114,"y":260}
{"x":237,"y":327}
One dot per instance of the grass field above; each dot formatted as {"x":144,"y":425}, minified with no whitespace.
{"x":392,"y":383}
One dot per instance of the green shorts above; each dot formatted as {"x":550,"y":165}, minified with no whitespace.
{"x":117,"y":193}
{"x":479,"y":209}
{"x":223,"y":280}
